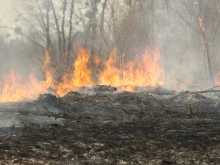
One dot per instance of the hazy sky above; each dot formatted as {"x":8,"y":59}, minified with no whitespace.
{"x":7,"y":14}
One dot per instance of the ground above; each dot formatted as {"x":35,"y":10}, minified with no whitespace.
{"x":124,"y":128}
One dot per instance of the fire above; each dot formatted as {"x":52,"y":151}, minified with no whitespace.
{"x":146,"y":71}
{"x":111,"y":74}
{"x":13,"y":89}
{"x":48,"y":71}
{"x":143,"y":71}
{"x":217,"y":79}
{"x":81,"y":75}
{"x":202,"y":26}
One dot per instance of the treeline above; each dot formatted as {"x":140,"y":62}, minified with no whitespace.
{"x":185,"y":31}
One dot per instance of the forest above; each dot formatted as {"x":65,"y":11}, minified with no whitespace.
{"x":110,"y":82}
{"x":169,"y":43}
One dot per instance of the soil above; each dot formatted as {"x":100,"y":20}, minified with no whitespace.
{"x":112,"y":128}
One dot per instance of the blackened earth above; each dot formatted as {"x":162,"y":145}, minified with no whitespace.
{"x":124,"y":128}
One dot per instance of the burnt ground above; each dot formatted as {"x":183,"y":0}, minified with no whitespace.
{"x":124,"y":128}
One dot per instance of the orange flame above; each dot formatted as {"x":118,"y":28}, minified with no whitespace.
{"x":202,"y":26}
{"x":111,"y":74}
{"x":217,"y":79}
{"x":81,"y":75}
{"x":142,"y":71}
{"x":13,"y":89}
{"x":145,"y":71}
{"x":48,"y":71}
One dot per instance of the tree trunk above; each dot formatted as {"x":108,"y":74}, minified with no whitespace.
{"x":70,"y":34}
{"x":58,"y":28}
{"x":103,"y":16}
{"x":210,"y":71}
{"x":153,"y":22}
{"x":45,"y":26}
{"x":63,"y":24}
{"x":206,"y":44}
{"x":48,"y":25}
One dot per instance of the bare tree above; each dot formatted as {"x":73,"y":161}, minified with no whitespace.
{"x":58,"y":28}
{"x":201,"y":16}
{"x":70,"y":33}
{"x":63,"y":24}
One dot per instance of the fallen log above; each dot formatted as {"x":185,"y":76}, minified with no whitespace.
{"x":207,"y":91}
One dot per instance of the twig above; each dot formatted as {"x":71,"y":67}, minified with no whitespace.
{"x":163,"y":106}
{"x":81,"y":116}
{"x":213,"y":87}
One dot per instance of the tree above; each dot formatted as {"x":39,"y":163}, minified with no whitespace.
{"x":201,"y":16}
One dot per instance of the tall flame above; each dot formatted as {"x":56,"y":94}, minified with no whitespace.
{"x":143,"y":71}
{"x":146,"y":71}
{"x":81,"y":75}
{"x":48,"y":71}
{"x":111,"y":74}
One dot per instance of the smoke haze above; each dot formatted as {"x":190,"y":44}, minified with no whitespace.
{"x":177,"y":28}
{"x":7,"y":15}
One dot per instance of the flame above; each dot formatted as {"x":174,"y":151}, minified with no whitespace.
{"x":13,"y":89}
{"x":217,"y":79}
{"x":48,"y":71}
{"x":111,"y":74}
{"x":81,"y":75}
{"x":97,"y":60}
{"x":146,"y":73}
{"x":202,"y":26}
{"x":143,"y":71}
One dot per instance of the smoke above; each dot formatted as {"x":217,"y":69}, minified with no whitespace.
{"x":7,"y":15}
{"x":170,"y":27}
{"x":181,"y":48}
